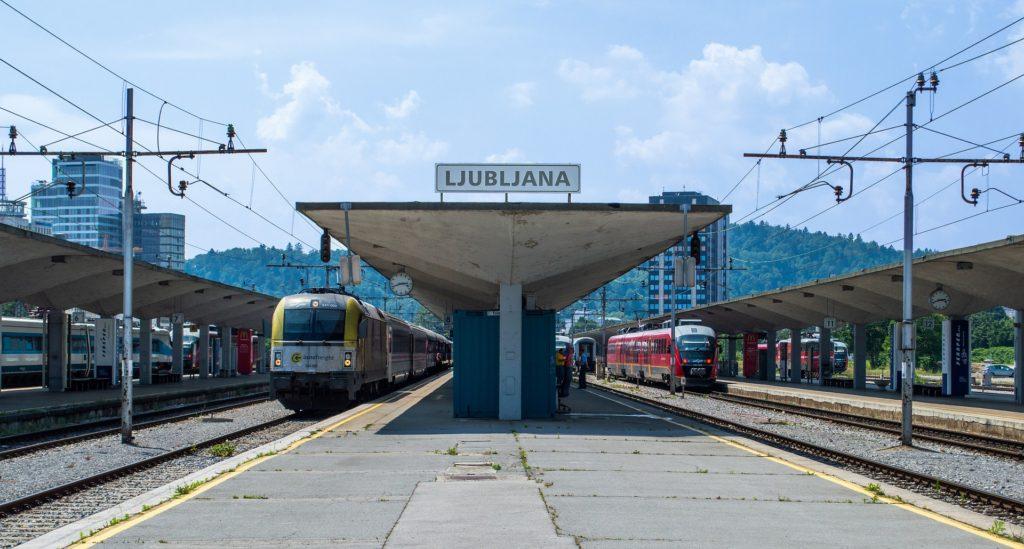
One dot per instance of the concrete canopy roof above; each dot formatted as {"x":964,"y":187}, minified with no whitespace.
{"x":51,"y":272}
{"x":458,"y":253}
{"x":976,"y":278}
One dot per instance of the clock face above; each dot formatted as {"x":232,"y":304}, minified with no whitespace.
{"x":939,"y":300}
{"x":401,"y":284}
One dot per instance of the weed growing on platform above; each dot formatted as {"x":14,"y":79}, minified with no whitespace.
{"x":116,"y":520}
{"x":875,"y":489}
{"x":453,"y":451}
{"x":186,"y":489}
{"x":223,"y":450}
{"x":496,"y":466}
{"x":998,"y":528}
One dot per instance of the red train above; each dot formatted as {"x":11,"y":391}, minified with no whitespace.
{"x":810,"y":355}
{"x":646,"y":355}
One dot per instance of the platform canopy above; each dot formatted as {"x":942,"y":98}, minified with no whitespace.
{"x":50,"y":272}
{"x":458,"y":253}
{"x":976,"y":278}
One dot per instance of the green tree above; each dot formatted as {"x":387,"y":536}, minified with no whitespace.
{"x":991,"y":328}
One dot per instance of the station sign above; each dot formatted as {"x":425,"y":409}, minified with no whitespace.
{"x":507,"y":178}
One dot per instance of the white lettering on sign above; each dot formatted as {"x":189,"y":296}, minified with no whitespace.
{"x":507,"y":178}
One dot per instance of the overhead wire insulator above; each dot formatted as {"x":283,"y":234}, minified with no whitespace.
{"x":231,"y":137}
{"x":782,"y":143}
{"x":920,"y":81}
{"x":13,"y":134}
{"x":71,"y":188}
{"x":1021,"y":143}
{"x":933,"y":80}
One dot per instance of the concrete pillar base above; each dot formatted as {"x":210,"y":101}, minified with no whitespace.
{"x":202,"y":355}
{"x":145,"y":351}
{"x":177,"y":346}
{"x":57,"y":342}
{"x":860,"y":359}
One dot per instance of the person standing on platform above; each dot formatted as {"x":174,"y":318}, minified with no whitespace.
{"x":584,"y":364}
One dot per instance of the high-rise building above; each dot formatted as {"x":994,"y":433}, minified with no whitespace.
{"x":93,"y":215}
{"x":159,"y":237}
{"x":711,"y":273}
{"x":12,"y":212}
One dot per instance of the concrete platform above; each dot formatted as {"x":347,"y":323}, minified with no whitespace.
{"x":982,"y":416}
{"x":404,"y":473}
{"x":26,"y":410}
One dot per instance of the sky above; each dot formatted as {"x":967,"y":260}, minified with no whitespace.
{"x":356,"y":101}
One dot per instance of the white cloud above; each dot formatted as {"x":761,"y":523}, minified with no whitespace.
{"x":625,"y":53}
{"x":706,"y":103}
{"x":510,"y":155}
{"x":597,"y":82}
{"x":403,"y":107}
{"x":628,"y":145}
{"x":521,"y":93}
{"x":307,"y":89}
{"x":410,"y":147}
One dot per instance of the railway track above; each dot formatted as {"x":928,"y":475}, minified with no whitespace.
{"x":22,"y":443}
{"x":993,"y":504}
{"x":24,"y":503}
{"x":980,"y":443}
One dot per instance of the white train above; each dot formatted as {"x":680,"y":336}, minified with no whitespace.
{"x":22,"y":347}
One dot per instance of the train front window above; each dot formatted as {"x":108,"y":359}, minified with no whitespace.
{"x":696,"y":348}
{"x":314,"y":324}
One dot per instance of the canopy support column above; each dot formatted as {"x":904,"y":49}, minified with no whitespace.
{"x":510,"y":345}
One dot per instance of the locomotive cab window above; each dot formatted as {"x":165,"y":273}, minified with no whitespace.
{"x":320,"y":324}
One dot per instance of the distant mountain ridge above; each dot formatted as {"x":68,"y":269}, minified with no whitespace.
{"x":773,"y":257}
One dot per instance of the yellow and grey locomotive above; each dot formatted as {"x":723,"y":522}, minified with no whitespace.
{"x":329,"y":349}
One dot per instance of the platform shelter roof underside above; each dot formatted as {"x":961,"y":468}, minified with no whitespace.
{"x":458,"y":253}
{"x":976,"y":278}
{"x":50,"y":272}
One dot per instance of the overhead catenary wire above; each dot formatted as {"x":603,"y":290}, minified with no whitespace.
{"x":105,"y":67}
{"x":914,"y":75}
{"x":881,"y":222}
{"x":876,"y":93}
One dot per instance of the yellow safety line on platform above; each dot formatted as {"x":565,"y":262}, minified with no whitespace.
{"x":111,"y":531}
{"x":836,"y":480}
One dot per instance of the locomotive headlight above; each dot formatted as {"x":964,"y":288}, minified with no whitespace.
{"x":348,"y":358}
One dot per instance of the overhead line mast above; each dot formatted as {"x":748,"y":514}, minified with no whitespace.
{"x":907,"y":345}
{"x":127,"y":225}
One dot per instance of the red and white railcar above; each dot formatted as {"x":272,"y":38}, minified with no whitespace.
{"x":647,"y":354}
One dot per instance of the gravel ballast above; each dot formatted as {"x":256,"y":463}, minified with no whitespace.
{"x":22,"y":527}
{"x":1004,"y":476}
{"x":24,"y":475}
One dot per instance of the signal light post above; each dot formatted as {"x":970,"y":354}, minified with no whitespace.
{"x":907,"y":331}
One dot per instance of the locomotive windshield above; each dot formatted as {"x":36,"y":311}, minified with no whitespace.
{"x":319,"y":324}
{"x":696,"y":348}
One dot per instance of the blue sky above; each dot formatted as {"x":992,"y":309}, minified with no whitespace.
{"x":356,"y":101}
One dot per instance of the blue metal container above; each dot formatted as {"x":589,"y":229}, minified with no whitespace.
{"x":475,"y":383}
{"x":540,"y":399}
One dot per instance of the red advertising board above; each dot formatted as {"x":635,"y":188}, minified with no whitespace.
{"x":750,"y":355}
{"x":244,"y":345}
